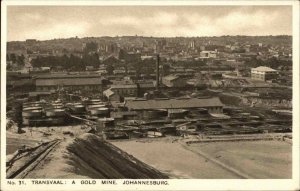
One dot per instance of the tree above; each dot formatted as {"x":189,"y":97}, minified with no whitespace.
{"x":13,"y":57}
{"x":122,"y":54}
{"x":36,"y":62}
{"x":91,"y":60}
{"x":90,"y":47}
{"x":110,"y":69}
{"x":64,"y":61}
{"x":75,"y":63}
{"x":21,"y":60}
{"x":166,"y":69}
{"x":138,"y":68}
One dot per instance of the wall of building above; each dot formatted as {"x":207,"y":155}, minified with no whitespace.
{"x":114,"y":97}
{"x":97,"y":88}
{"x":174,"y":83}
{"x":125,"y":91}
{"x":264,"y":76}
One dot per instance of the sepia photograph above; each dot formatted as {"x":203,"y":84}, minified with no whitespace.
{"x":147,"y":94}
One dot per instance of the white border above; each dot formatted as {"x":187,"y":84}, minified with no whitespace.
{"x":175,"y":184}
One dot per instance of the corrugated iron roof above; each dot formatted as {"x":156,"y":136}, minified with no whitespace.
{"x":108,"y":93}
{"x":171,"y":77}
{"x":68,"y":81}
{"x":65,"y":75}
{"x":264,"y":69}
{"x":123,"y":86}
{"x":174,"y":103}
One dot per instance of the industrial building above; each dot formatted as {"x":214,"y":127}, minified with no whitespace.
{"x":213,"y":105}
{"x":263,"y":73}
{"x":173,"y":81}
{"x":111,"y":95}
{"x":125,"y":89}
{"x":208,"y":54}
{"x":69,"y":82}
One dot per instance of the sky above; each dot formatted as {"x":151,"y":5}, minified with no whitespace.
{"x":49,"y":22}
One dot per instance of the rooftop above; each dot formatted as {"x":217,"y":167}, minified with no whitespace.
{"x":62,"y":76}
{"x":122,"y":86}
{"x":264,"y":69}
{"x":174,"y":103}
{"x":108,"y":93}
{"x":68,"y":81}
{"x":171,"y":77}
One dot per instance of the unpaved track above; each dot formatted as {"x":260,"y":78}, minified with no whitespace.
{"x":26,"y":162}
{"x":219,"y":163}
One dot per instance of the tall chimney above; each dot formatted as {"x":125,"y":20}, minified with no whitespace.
{"x":157,"y":72}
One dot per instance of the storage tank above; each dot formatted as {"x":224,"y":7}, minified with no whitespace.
{"x":78,"y":109}
{"x":32,"y":113}
{"x":95,"y":100}
{"x":30,"y":122}
{"x":99,"y":111}
{"x":94,"y":106}
{"x":26,"y":121}
{"x":56,"y":121}
{"x":92,"y":101}
{"x":31,"y":108}
{"x":154,"y":134}
{"x":105,"y":123}
{"x":32,"y":104}
{"x":55,"y":113}
{"x":57,"y":105}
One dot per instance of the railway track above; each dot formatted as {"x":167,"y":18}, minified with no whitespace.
{"x":24,"y":161}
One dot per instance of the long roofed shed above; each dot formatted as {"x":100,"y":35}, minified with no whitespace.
{"x":173,"y":103}
{"x":68,"y":80}
{"x":264,"y":69}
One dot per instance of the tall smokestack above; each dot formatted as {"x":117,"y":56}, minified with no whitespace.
{"x":157,"y":72}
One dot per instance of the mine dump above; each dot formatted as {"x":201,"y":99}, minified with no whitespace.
{"x":139,"y":115}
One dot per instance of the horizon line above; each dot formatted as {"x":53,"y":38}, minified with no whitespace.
{"x":117,"y":36}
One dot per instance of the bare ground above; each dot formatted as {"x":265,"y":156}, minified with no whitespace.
{"x":87,"y":156}
{"x":258,"y":159}
{"x":224,"y":160}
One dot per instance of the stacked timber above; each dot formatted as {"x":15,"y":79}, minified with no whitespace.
{"x":108,"y":161}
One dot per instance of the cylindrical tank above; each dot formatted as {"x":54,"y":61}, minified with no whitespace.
{"x":32,"y":105}
{"x":55,"y":112}
{"x":77,"y":108}
{"x":25,"y":121}
{"x":31,"y":108}
{"x":32,"y":113}
{"x":57,"y":105}
{"x":95,"y":106}
{"x":95,"y":100}
{"x":29,"y":122}
{"x":99,"y":111}
{"x":57,"y":121}
{"x":75,"y":104}
{"x":93,"y":118}
{"x":105,"y":122}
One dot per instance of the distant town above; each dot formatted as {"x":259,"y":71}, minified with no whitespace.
{"x":200,"y":89}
